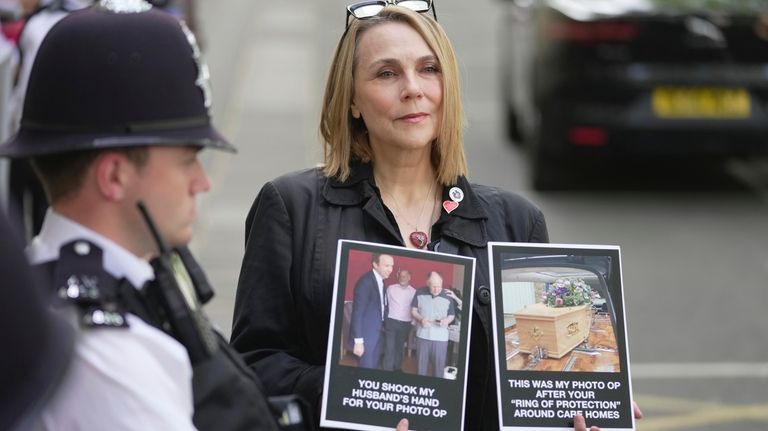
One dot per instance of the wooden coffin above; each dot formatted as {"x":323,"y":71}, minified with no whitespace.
{"x":556,"y":329}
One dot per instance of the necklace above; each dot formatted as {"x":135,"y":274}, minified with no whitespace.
{"x":418,"y":238}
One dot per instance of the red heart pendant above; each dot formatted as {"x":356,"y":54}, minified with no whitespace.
{"x":418,"y":239}
{"x":449,"y":206}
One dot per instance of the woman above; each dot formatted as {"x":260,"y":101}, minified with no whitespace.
{"x":394,"y":173}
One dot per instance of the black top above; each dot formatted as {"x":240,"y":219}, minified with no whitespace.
{"x":284,"y":295}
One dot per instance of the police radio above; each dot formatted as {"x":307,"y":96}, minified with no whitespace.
{"x":180,"y":286}
{"x":179,"y":292}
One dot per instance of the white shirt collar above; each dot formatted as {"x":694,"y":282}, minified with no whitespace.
{"x":58,"y":230}
{"x":379,"y":280}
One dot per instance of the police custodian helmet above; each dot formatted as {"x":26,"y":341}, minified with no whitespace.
{"x":117,"y":74}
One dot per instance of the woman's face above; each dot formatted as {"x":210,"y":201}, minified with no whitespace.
{"x":398,"y":88}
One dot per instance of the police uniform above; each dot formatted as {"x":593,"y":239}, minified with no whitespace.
{"x":125,"y":374}
{"x":146,"y":357}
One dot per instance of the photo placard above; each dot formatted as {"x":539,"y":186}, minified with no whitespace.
{"x":399,"y":338}
{"x":560,"y":336}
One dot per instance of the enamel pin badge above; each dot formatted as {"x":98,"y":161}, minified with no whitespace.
{"x":456,"y":195}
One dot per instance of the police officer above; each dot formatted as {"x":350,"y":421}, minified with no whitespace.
{"x":116,"y":112}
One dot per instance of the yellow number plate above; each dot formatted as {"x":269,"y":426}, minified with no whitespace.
{"x":701,"y":102}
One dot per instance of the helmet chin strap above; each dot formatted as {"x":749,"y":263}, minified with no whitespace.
{"x":162,"y":247}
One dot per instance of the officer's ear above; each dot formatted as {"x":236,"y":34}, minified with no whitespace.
{"x":112,"y":171}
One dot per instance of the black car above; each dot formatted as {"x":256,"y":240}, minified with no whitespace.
{"x":589,"y":83}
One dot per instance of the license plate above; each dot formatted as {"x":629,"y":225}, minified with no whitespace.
{"x":701,"y":102}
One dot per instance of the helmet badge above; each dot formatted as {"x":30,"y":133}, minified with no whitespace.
{"x":125,"y":6}
{"x":203,"y":80}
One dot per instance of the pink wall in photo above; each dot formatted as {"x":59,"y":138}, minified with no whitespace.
{"x":360,"y":263}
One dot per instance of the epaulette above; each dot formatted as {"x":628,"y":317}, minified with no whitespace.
{"x":79,"y":278}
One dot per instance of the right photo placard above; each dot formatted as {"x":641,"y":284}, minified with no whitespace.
{"x":560,"y":336}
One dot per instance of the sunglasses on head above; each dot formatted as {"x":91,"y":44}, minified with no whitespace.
{"x":370,"y":8}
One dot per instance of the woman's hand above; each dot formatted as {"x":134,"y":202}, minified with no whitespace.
{"x":451,"y":294}
{"x":579,"y":424}
{"x":402,"y":425}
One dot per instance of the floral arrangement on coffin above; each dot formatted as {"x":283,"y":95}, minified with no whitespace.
{"x":568,"y":292}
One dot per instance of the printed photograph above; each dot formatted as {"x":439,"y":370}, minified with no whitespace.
{"x":557,"y":313}
{"x":402,"y":313}
{"x":399,"y":338}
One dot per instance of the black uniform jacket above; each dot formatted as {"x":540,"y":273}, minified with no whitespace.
{"x":284,"y":295}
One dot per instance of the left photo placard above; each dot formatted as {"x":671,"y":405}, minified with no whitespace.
{"x":399,"y":335}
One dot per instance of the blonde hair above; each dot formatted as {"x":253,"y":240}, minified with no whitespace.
{"x":345,"y":137}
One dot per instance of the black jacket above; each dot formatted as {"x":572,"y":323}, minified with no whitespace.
{"x":284,"y":295}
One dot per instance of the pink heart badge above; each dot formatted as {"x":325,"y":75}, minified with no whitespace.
{"x":449,"y":206}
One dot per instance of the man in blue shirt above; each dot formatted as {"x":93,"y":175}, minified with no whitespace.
{"x":433,"y":310}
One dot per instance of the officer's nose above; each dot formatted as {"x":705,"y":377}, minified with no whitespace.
{"x":200,"y":181}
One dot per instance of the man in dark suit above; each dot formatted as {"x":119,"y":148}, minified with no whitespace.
{"x":368,"y":312}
